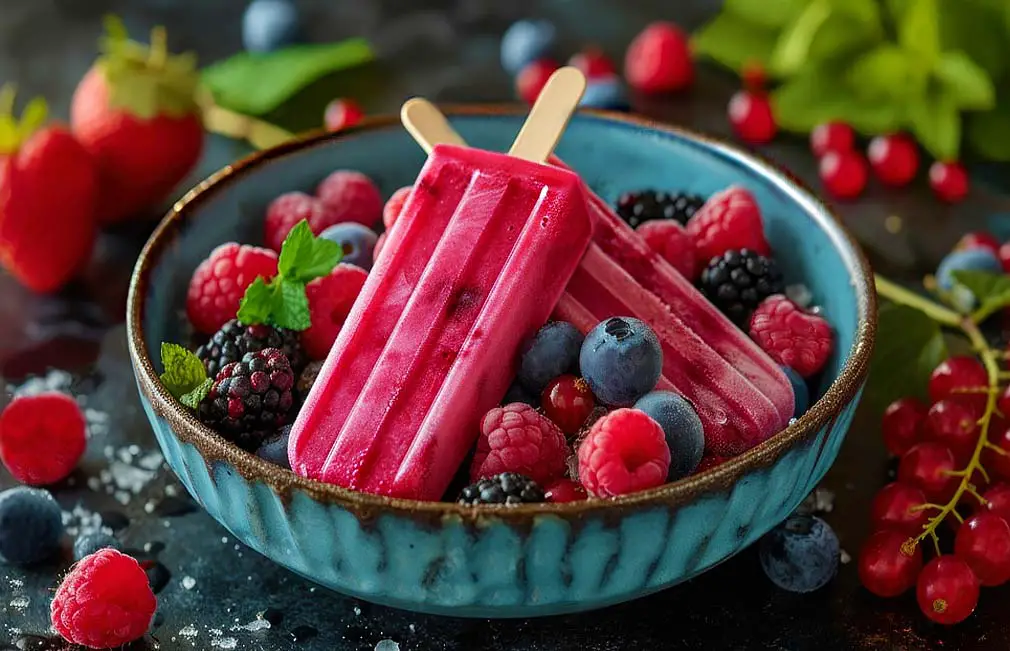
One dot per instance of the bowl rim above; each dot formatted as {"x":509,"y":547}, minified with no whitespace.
{"x":187,"y":428}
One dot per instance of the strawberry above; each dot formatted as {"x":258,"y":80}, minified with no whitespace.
{"x":135,"y":110}
{"x":48,"y":193}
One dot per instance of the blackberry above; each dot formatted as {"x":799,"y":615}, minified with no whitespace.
{"x":507,"y":488}
{"x":250,"y":399}
{"x":647,"y":205}
{"x":234,"y":340}
{"x":737,"y":281}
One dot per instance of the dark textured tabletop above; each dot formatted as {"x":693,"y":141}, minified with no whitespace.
{"x":215,"y":593}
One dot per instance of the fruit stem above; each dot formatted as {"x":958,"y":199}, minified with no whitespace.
{"x":898,"y":294}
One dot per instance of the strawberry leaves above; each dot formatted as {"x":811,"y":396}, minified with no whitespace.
{"x":185,"y":376}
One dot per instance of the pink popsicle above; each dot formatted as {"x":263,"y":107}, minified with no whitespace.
{"x":479,"y":257}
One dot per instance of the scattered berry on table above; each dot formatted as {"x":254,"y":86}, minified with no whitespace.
{"x":593,"y":63}
{"x":290,"y":208}
{"x":269,"y":25}
{"x":565,"y":490}
{"x":31,"y":526}
{"x":709,"y":461}
{"x":330,"y":300}
{"x":831,"y":136}
{"x":801,"y":392}
{"x":894,"y":159}
{"x":801,"y":340}
{"x":885,"y":567}
{"x":356,"y":240}
{"x":843,"y":173}
{"x":622,"y":360}
{"x":750,"y":115}
{"x":89,"y":543}
{"x":659,"y":60}
{"x":567,"y":401}
{"x":729,"y":220}
{"x":978,"y":240}
{"x":947,"y":590}
{"x":518,"y":439}
{"x":605,"y":93}
{"x":902,"y":425}
{"x":250,"y":399}
{"x":42,"y":437}
{"x":983,"y":542}
{"x":553,"y":351}
{"x":351,"y":196}
{"x":104,"y":602}
{"x":394,"y":205}
{"x":957,"y":377}
{"x":685,"y":436}
{"x":641,"y":206}
{"x":949,"y":181}
{"x":997,"y":498}
{"x":234,"y":340}
{"x":307,"y":378}
{"x":738,"y":281}
{"x":507,"y":488}
{"x":533,"y":77}
{"x":954,"y":424}
{"x":275,"y":448}
{"x":518,"y":393}
{"x":342,"y":113}
{"x":524,"y":42}
{"x":624,"y":452}
{"x":801,"y":554}
{"x":998,"y":464}
{"x":926,"y":466}
{"x":670,"y":240}
{"x":894,"y":507}
{"x":219,"y":283}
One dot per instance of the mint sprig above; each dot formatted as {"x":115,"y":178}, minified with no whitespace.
{"x":185,"y":376}
{"x":281,"y":301}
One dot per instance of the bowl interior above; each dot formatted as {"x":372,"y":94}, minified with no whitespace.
{"x":611,"y":156}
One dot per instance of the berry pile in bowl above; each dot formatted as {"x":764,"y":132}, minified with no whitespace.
{"x":681,"y":393}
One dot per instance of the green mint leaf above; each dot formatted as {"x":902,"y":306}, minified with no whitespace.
{"x":886,"y":74}
{"x":256,"y":84}
{"x":734,"y":42}
{"x":989,"y":132}
{"x":965,"y":82}
{"x":866,"y":12}
{"x":842,"y":37}
{"x":909,"y":346}
{"x":305,"y":257}
{"x":183,"y":371}
{"x":936,"y":124}
{"x":818,"y":95}
{"x":794,"y":44}
{"x":919,"y":30}
{"x":193,"y":398}
{"x":992,"y":291}
{"x":977,"y":30}
{"x":291,"y":306}
{"x":766,"y":13}
{"x":257,"y":303}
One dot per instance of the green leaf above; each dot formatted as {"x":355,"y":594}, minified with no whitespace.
{"x":989,"y":132}
{"x":991,"y":290}
{"x":936,"y":123}
{"x":193,"y":398}
{"x":183,"y":372}
{"x":305,"y":257}
{"x":865,"y":11}
{"x":257,"y":303}
{"x":733,"y":42}
{"x":842,"y":37}
{"x":886,"y":74}
{"x":967,"y":84}
{"x":919,"y":30}
{"x":33,"y":117}
{"x":258,"y":83}
{"x":978,"y":31}
{"x":291,"y":306}
{"x":766,"y":13}
{"x":793,"y":45}
{"x":818,"y":95}
{"x":909,"y":346}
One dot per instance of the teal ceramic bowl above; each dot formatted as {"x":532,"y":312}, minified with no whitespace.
{"x":534,"y":559}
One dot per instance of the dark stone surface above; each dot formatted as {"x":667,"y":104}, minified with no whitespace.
{"x":215,"y":587}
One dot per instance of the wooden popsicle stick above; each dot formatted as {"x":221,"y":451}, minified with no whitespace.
{"x":549,"y":116}
{"x":427,"y":125}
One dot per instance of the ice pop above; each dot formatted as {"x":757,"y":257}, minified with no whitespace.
{"x":479,"y":257}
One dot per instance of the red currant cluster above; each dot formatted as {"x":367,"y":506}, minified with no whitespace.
{"x":954,"y":468}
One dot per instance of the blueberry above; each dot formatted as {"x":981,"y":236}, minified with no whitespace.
{"x":275,"y":448}
{"x":801,"y":554}
{"x":357,"y":240}
{"x":684,"y":433}
{"x":525,"y":42}
{"x":269,"y":25}
{"x":553,"y":351}
{"x":31,"y":525}
{"x":90,"y":543}
{"x":518,"y":393}
{"x":606,"y":93}
{"x":965,"y":260}
{"x":801,"y":393}
{"x":621,"y":360}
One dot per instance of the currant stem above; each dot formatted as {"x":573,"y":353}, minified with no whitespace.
{"x":907,"y":297}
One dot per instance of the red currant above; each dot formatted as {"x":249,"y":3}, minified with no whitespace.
{"x":342,"y":113}
{"x":962,"y":377}
{"x":708,"y":462}
{"x":831,"y":136}
{"x":750,"y":115}
{"x":894,"y":508}
{"x":894,"y":159}
{"x":568,"y":401}
{"x":1003,"y":400}
{"x":983,"y":542}
{"x":948,"y":180}
{"x":885,"y":568}
{"x":997,"y":499}
{"x":593,"y":63}
{"x":532,"y":79}
{"x":926,"y":466}
{"x":1004,"y":256}
{"x":753,"y":76}
{"x":998,"y":464}
{"x":902,"y":425}
{"x":565,"y":490}
{"x":843,"y":173}
{"x":955,"y":425}
{"x":978,"y":240}
{"x":947,"y":590}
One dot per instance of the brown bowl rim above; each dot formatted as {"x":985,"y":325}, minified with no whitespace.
{"x":213,"y":447}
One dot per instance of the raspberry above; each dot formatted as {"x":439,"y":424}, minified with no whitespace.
{"x":104,"y":602}
{"x":287,"y":210}
{"x":342,"y":113}
{"x":750,"y":115}
{"x":394,"y":205}
{"x":730,"y":219}
{"x":670,"y":240}
{"x":220,"y":281}
{"x":507,"y":488}
{"x":351,"y":197}
{"x":516,"y":438}
{"x":792,"y":337}
{"x":330,"y":300}
{"x":533,"y":77}
{"x":625,"y":451}
{"x":659,"y":60}
{"x":42,"y":438}
{"x":234,"y":340}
